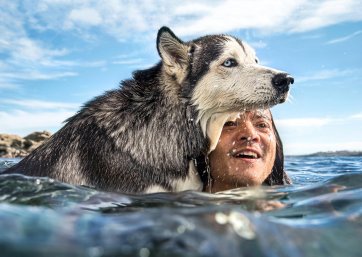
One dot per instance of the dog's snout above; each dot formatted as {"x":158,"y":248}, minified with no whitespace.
{"x":281,"y":81}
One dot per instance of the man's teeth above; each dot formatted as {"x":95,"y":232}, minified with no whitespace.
{"x":247,"y":154}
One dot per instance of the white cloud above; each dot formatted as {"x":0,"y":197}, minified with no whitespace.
{"x":309,"y":147}
{"x":25,"y":57}
{"x":36,"y":75}
{"x":129,"y":61}
{"x":84,"y":16}
{"x":133,"y":19}
{"x":258,"y":44}
{"x":357,"y":116}
{"x":125,"y":20}
{"x":315,"y":122}
{"x":29,"y":50}
{"x":301,"y":123}
{"x":8,"y":84}
{"x":345,"y":38}
{"x":317,"y":14}
{"x":29,"y":115}
{"x":224,"y":16}
{"x":313,"y":134}
{"x":326,"y":74}
{"x":24,"y":122}
{"x":37,"y":104}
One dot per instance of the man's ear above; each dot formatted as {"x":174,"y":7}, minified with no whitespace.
{"x":173,"y":52}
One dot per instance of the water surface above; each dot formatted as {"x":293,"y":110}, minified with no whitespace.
{"x":319,"y":215}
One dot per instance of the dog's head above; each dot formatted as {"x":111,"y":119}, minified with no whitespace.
{"x":220,"y":73}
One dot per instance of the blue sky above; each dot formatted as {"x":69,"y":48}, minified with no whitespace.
{"x":57,"y":54}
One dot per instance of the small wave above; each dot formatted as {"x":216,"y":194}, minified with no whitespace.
{"x":44,"y":217}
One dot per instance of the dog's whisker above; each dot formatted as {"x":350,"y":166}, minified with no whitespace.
{"x":290,"y":98}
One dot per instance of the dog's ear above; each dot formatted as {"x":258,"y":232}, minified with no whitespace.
{"x":173,"y":52}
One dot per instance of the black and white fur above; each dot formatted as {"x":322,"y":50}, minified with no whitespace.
{"x":144,"y":136}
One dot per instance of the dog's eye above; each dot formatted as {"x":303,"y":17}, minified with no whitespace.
{"x":256,"y":60}
{"x":230,"y":63}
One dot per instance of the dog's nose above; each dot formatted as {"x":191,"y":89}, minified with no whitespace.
{"x":281,"y":81}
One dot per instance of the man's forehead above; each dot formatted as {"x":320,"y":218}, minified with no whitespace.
{"x":256,"y":114}
{"x":262,"y":114}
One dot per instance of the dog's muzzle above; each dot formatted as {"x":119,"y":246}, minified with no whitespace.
{"x":281,"y":82}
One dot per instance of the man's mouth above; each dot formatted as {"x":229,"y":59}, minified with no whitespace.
{"x":247,"y":155}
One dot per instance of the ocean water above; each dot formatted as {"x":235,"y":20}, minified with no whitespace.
{"x":319,"y":215}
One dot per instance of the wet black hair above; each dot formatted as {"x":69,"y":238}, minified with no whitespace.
{"x":278,"y":176}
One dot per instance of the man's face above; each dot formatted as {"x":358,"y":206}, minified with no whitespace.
{"x":245,"y":153}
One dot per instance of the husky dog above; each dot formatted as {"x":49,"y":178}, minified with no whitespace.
{"x":144,"y":136}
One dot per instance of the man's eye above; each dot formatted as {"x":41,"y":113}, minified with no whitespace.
{"x":263,"y":125}
{"x":230,"y":63}
{"x":230,"y":124}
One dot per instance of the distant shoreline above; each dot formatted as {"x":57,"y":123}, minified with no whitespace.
{"x":14,"y":146}
{"x":344,"y":153}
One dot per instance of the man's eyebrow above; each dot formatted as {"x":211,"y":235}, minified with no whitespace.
{"x":259,"y":115}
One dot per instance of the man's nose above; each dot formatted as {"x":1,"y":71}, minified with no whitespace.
{"x":248,"y":133}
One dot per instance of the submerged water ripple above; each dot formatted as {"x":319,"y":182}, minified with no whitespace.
{"x":319,"y":215}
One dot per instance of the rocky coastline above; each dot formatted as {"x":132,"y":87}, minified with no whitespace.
{"x":13,"y":146}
